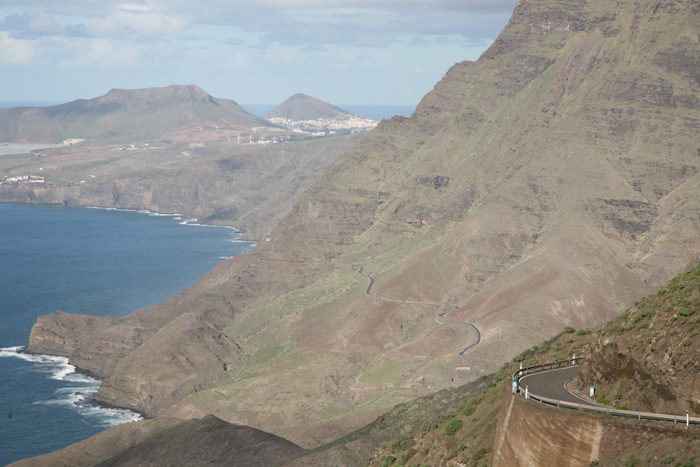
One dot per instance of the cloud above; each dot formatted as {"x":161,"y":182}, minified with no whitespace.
{"x":16,"y":52}
{"x":130,"y":20}
{"x":30,"y":23}
{"x":239,"y":61}
{"x":266,"y":45}
{"x":298,"y":22}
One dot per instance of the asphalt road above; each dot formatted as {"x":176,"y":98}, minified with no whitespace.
{"x":551,"y":384}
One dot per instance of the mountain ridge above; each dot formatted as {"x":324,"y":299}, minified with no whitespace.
{"x":125,"y":115}
{"x":548,"y":184}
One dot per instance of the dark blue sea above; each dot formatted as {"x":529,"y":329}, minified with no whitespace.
{"x":80,"y":260}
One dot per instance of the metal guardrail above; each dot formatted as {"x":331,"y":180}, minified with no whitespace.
{"x":677,"y":419}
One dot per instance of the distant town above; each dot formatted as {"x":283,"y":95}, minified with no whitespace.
{"x":352,"y":123}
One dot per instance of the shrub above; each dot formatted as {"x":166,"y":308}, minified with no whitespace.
{"x":452,"y":426}
{"x":498,"y":377}
{"x":388,"y":460}
{"x":481,"y":452}
{"x":668,"y":459}
{"x":631,"y":461}
{"x":569,"y":330}
{"x":690,"y":463}
{"x":582,"y":332}
{"x":401,"y":443}
{"x":468,"y":410}
{"x":426,"y":427}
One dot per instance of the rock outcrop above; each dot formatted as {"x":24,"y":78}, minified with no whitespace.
{"x":646,"y":359}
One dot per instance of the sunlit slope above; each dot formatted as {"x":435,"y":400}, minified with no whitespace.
{"x":550,"y":183}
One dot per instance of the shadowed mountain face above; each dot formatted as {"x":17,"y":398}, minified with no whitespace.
{"x":302,"y":107}
{"x":125,"y":115}
{"x":200,"y":442}
{"x":550,"y":183}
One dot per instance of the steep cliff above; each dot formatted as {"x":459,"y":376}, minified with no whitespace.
{"x":550,"y":183}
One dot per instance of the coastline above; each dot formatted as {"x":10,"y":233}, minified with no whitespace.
{"x":75,"y":387}
{"x":65,"y":371}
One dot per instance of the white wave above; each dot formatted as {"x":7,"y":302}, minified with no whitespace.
{"x":79,"y":395}
{"x":190,"y":221}
{"x":140,"y":211}
{"x":161,"y":214}
{"x":58,"y":368}
{"x":80,"y":399}
{"x":9,"y":351}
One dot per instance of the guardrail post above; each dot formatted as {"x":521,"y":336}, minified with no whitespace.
{"x":526,"y":393}
{"x":639,"y":416}
{"x":687,"y":420}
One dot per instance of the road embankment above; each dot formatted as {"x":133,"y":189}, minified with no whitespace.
{"x":530,"y":434}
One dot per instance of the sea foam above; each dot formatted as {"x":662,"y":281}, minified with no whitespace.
{"x":78,"y":396}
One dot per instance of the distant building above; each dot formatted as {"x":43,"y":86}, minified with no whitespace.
{"x":72,"y":141}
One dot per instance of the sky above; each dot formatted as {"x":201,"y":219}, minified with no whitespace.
{"x":359,"y":52}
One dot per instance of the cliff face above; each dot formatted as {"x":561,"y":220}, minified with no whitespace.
{"x":550,"y":183}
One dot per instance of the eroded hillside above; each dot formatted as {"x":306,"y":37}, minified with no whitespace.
{"x":647,"y":358}
{"x":550,"y":183}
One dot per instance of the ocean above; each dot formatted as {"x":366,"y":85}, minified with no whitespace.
{"x":88,"y":261}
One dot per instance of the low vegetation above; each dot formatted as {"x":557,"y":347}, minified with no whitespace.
{"x":461,"y":432}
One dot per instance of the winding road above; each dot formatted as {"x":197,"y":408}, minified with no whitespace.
{"x":552,"y":384}
{"x":368,"y":291}
{"x":547,"y":384}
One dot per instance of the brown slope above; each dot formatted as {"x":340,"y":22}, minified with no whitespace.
{"x":549,"y":183}
{"x":302,"y":107}
{"x":125,"y":115}
{"x":647,"y":358}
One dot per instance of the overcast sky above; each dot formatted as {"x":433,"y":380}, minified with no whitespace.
{"x":361,"y":52}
